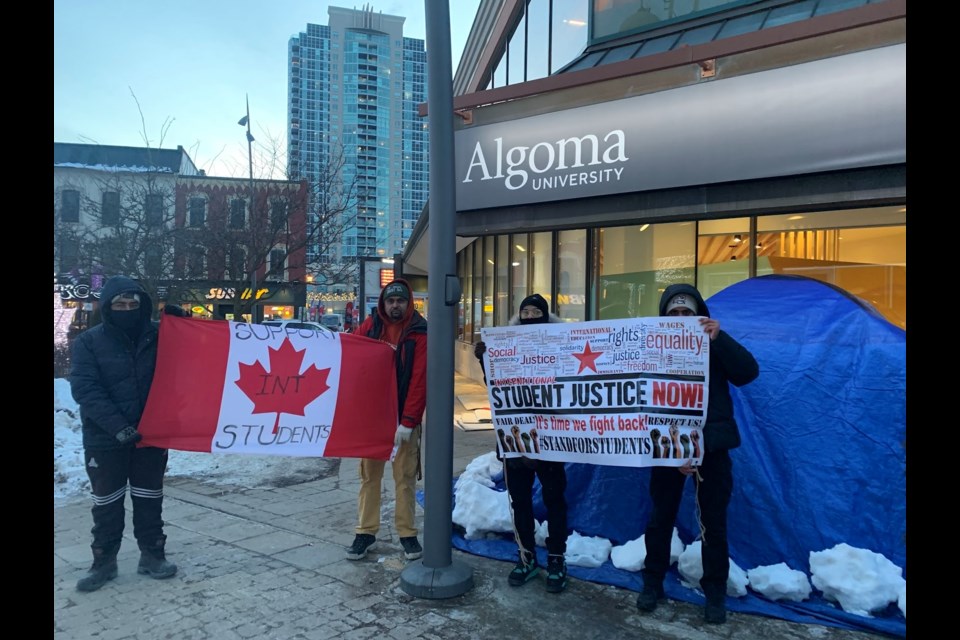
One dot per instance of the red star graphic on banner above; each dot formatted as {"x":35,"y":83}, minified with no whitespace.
{"x":588,"y":358}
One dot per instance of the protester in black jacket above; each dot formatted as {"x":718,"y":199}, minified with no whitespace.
{"x":730,"y":363}
{"x":519,"y":473}
{"x":112,"y":368}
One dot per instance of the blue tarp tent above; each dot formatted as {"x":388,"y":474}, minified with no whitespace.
{"x":823,"y":459}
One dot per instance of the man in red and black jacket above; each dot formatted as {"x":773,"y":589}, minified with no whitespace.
{"x":397,"y":323}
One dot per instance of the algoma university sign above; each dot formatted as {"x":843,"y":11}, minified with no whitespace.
{"x":838,"y":113}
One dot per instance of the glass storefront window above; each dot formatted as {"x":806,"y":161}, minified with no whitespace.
{"x":568,"y":32}
{"x":477,"y":289}
{"x":541,"y":266}
{"x":571,"y":274}
{"x":723,"y":254}
{"x":488,"y":281}
{"x":554,"y":43}
{"x":467,"y":292}
{"x":861,"y":251}
{"x":501,"y":304}
{"x":538,"y":32}
{"x":519,"y":270}
{"x":864,"y":252}
{"x":516,"y":58}
{"x":460,"y":272}
{"x":638,"y":262}
{"x":278,"y":313}
{"x":610,"y":17}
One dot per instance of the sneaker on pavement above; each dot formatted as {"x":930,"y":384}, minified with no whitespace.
{"x":411,"y":548}
{"x":649,"y":597}
{"x":362,"y":543}
{"x":524,"y":571}
{"x":556,"y":573}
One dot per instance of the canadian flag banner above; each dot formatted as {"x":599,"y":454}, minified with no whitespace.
{"x":234,"y":387}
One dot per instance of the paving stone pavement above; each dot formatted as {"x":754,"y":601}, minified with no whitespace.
{"x":268,"y":562}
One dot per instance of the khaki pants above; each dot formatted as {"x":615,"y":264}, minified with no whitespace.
{"x":405,"y":483}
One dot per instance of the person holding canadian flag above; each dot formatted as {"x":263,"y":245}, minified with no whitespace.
{"x":397,"y":323}
{"x":112,"y":369}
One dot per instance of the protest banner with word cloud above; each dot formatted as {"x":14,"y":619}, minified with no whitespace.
{"x":629,"y":392}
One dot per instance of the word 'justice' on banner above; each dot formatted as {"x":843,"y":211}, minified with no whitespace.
{"x":629,"y":393}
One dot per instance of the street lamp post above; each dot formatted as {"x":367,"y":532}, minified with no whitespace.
{"x":245,"y":121}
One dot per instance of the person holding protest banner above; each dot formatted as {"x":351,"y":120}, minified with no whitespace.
{"x":519,"y":473}
{"x":730,"y":363}
{"x":397,"y":323}
{"x":112,"y":367}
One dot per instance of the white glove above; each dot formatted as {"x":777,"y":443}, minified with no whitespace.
{"x":403,"y":435}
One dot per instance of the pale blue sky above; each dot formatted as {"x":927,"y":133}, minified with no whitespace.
{"x":190,"y":64}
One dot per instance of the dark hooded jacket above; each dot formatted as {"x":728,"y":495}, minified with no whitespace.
{"x":730,"y":363}
{"x":111,"y":374}
{"x":411,"y":356}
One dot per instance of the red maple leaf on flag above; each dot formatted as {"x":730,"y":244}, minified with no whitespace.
{"x":284,"y":389}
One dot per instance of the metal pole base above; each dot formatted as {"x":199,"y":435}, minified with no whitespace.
{"x":435,"y":584}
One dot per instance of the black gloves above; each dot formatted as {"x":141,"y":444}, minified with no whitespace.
{"x":129,"y":435}
{"x":174,"y":310}
{"x":479,"y":349}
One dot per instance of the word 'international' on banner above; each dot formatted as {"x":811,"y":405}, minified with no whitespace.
{"x":629,"y":393}
{"x":235,"y":387}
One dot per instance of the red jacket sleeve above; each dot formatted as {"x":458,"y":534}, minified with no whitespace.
{"x":416,"y":401}
{"x":364,"y":327}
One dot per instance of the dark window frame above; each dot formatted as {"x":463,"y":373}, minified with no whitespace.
{"x":195,"y":263}
{"x":238,"y":213}
{"x":197,"y":211}
{"x":110,"y":208}
{"x":69,"y":256}
{"x":153,"y":209}
{"x":70,"y":205}
{"x":278,"y":256}
{"x":279,"y":213}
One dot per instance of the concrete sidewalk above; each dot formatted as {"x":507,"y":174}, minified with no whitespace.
{"x":269,"y":563}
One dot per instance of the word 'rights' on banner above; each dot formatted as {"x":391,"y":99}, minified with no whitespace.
{"x":630,"y":393}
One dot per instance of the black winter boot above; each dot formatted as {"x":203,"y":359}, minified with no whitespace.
{"x":104,"y":569}
{"x":649,"y":598}
{"x":153,"y":563}
{"x":715,"y":612}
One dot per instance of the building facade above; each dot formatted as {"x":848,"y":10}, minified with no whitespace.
{"x":189,"y":239}
{"x":113,"y":213}
{"x":676,"y":142}
{"x":355,"y":133}
{"x":222,"y":233}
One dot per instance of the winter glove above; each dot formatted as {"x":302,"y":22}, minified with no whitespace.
{"x":479,"y":350}
{"x":402,"y":435}
{"x":129,"y":435}
{"x":174,"y":310}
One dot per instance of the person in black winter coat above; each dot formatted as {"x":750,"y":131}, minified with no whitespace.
{"x":112,"y":368}
{"x":519,"y":473}
{"x":730,"y":363}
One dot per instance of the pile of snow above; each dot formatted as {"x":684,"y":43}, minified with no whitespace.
{"x":860,"y":581}
{"x":780,"y":582}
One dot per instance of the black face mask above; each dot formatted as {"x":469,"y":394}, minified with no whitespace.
{"x":127,"y":321}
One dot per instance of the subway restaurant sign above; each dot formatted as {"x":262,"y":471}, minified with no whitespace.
{"x":840,"y":113}
{"x":228,"y":293}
